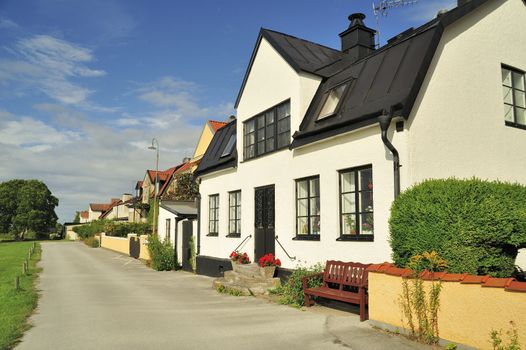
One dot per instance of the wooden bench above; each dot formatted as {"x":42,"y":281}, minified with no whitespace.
{"x":343,"y":281}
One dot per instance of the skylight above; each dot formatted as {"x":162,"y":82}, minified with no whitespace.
{"x":229,"y":146}
{"x":333,"y":97}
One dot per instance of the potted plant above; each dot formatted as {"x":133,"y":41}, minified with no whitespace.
{"x":238,"y":258}
{"x":267,"y":264}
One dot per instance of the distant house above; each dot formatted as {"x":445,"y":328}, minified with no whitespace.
{"x":119,"y":210}
{"x":84,"y":216}
{"x":95,"y":210}
{"x":325,"y":139}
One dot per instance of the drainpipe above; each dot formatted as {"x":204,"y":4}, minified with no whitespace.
{"x":198,"y":199}
{"x":385,"y":122}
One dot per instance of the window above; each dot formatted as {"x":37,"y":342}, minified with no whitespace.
{"x":229,"y":146}
{"x":308,"y":208}
{"x":168,"y":224}
{"x":332,"y":100}
{"x":234,"y":214}
{"x":213,"y":214}
{"x":513,"y":89}
{"x":267,"y":132}
{"x":356,"y":204}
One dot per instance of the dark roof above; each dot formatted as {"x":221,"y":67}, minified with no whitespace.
{"x":212,"y":160}
{"x":183,"y":209}
{"x":388,"y":79}
{"x":302,"y":55}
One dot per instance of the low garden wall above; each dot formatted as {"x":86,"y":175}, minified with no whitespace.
{"x":118,"y":244}
{"x":122,"y":245}
{"x":470,"y":306}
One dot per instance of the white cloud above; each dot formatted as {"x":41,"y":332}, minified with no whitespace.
{"x":50,"y":64}
{"x":426,"y":10}
{"x":6,"y":23}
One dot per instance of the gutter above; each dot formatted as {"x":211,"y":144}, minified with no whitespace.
{"x":385,"y":121}
{"x":198,"y":199}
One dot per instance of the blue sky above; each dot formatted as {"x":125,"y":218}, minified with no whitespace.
{"x":85,"y":85}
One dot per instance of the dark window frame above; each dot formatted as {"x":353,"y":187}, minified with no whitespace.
{"x":216,"y":220}
{"x":275,"y":134}
{"x":168,"y":224}
{"x":358,"y":236}
{"x":514,"y":105}
{"x":236,"y":218}
{"x":309,"y":236}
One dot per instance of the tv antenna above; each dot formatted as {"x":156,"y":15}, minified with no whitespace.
{"x":382,"y":9}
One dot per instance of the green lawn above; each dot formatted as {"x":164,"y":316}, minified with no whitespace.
{"x":16,"y":306}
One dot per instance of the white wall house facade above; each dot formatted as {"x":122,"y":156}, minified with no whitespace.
{"x":332,"y":193}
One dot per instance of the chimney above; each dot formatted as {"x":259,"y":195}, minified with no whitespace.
{"x":357,"y":40}
{"x":186,"y":159}
{"x":462,"y":2}
{"x":126,"y":197}
{"x":230,"y":118}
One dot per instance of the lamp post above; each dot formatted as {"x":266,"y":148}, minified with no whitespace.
{"x":155,"y":146}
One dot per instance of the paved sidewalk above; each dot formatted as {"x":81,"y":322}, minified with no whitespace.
{"x":97,"y":299}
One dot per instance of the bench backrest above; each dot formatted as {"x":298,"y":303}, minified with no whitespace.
{"x":345,"y":274}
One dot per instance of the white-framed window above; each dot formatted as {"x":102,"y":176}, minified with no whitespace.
{"x":308,"y":208}
{"x":213,"y":215}
{"x":234,"y":213}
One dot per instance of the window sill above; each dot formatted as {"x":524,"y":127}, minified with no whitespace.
{"x":212,"y":234}
{"x":356,"y":238}
{"x":515,"y":125}
{"x":306,"y":238}
{"x":233,"y":235}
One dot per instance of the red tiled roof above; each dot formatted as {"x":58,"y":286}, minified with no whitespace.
{"x":216,"y":125}
{"x":99,"y":206}
{"x":509,"y":284}
{"x":185,"y":166}
{"x":84,"y":214}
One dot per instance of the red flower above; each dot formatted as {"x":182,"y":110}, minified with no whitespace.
{"x":278,"y":262}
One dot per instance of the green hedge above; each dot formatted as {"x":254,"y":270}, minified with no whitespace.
{"x":477,"y":226}
{"x":112,"y":228}
{"x":161,"y":254}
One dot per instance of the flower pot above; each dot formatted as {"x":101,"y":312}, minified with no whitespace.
{"x":236,"y":266}
{"x":267,"y":271}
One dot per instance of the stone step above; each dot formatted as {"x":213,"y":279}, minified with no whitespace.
{"x":255,"y":287}
{"x":235,"y":276}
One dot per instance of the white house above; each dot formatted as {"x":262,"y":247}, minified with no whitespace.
{"x":325,"y":139}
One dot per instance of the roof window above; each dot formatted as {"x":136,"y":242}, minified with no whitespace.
{"x":229,"y":146}
{"x":332,"y":101}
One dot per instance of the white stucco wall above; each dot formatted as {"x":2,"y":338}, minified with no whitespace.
{"x":272,"y":81}
{"x":457,"y":124}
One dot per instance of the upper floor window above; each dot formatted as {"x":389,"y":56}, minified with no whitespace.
{"x":267,"y":132}
{"x":234,"y":213}
{"x":213,"y":214}
{"x":332,"y":101}
{"x":513,"y":89}
{"x":308,"y":208}
{"x":356,"y":204}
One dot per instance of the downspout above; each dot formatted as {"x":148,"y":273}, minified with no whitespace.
{"x":385,"y":121}
{"x":198,"y":199}
{"x":176,"y":234}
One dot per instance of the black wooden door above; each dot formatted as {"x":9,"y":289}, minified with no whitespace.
{"x":135,"y":247}
{"x":264,"y":222}
{"x":187,"y":235}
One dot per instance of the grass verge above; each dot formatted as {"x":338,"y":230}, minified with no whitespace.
{"x":16,"y":306}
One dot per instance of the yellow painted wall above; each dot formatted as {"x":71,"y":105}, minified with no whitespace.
{"x":204,"y":140}
{"x":118,"y":244}
{"x":145,"y":253}
{"x":468,"y":312}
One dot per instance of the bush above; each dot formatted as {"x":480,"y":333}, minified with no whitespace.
{"x":477,"y":226}
{"x":92,"y":242}
{"x":54,"y":236}
{"x":161,"y":253}
{"x":112,"y":228}
{"x":292,"y":292}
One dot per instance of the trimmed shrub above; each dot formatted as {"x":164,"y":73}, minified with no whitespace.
{"x":161,"y":253}
{"x":477,"y":226}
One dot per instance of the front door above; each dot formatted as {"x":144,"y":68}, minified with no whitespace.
{"x":264,"y":222}
{"x":186,"y":250}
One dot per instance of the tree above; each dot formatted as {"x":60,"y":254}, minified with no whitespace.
{"x":27,"y":206}
{"x":76,"y":220}
{"x":185,"y":189}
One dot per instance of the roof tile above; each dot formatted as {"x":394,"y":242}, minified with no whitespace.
{"x":516,"y":286}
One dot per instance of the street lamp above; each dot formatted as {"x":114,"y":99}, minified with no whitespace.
{"x":155,"y":146}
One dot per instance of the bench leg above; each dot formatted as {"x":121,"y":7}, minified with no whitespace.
{"x":307,"y":301}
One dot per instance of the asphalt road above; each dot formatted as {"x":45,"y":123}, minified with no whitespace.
{"x":97,"y":299}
